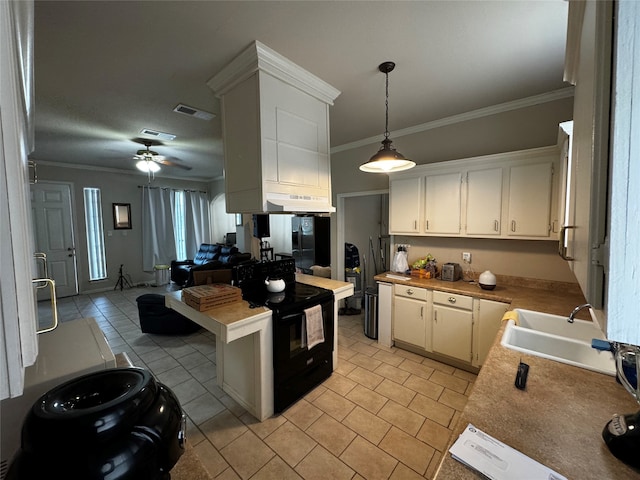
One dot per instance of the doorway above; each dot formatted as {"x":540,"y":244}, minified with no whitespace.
{"x":54,"y":236}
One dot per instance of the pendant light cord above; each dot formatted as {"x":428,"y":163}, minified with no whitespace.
{"x":386,"y":107}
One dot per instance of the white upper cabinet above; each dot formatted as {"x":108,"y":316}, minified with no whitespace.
{"x":442,"y":203}
{"x":530,"y":200}
{"x":484,"y":202}
{"x":405,"y":201}
{"x":507,"y":195}
{"x":275,"y":119}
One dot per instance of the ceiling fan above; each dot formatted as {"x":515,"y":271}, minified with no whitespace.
{"x":150,"y":161}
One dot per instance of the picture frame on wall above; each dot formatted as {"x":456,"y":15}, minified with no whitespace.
{"x":121,"y":216}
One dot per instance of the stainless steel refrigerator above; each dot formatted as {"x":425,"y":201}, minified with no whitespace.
{"x":310,"y":241}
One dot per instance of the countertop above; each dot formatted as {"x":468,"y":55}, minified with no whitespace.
{"x":559,"y":418}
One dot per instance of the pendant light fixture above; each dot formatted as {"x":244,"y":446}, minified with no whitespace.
{"x":388,"y":159}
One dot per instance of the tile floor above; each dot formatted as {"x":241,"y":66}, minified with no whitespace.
{"x":385,"y":413}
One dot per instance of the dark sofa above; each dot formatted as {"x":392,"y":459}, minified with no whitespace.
{"x":210,"y":256}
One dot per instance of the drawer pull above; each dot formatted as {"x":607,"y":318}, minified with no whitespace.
{"x":410,"y":291}
{"x":452,"y":299}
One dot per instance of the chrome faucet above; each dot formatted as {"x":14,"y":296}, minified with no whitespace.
{"x":571,"y":318}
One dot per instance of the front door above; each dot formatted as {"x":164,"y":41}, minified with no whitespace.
{"x":54,"y":236}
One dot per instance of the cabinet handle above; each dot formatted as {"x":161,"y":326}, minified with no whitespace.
{"x":452,"y":299}
{"x":415,"y":224}
{"x":409,"y":291}
{"x":513,"y":225}
{"x":562,"y":250}
{"x":496,"y":226}
{"x":427,"y":224}
{"x":435,"y":315}
{"x":421,"y":312}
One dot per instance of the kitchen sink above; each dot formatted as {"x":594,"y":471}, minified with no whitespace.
{"x":552,"y":337}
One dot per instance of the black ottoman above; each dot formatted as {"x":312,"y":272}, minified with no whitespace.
{"x":156,"y":318}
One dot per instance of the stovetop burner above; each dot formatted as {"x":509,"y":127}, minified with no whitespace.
{"x":296,"y":295}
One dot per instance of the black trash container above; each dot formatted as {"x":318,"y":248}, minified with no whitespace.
{"x":371,"y":312}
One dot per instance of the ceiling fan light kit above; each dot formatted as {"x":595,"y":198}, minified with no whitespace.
{"x":388,"y":159}
{"x":147,"y":166}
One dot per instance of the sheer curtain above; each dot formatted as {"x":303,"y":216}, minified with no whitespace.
{"x":158,"y":241}
{"x":196,"y":221}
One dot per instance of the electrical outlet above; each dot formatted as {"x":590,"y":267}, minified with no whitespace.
{"x":466,"y":257}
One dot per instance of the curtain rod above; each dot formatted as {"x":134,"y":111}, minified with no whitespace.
{"x":174,"y":189}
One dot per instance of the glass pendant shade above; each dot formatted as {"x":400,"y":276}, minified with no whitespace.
{"x":388,"y":159}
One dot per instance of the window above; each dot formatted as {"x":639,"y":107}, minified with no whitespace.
{"x":179,"y":224}
{"x":95,"y":234}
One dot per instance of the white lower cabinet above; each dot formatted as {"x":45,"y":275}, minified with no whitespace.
{"x":448,"y":325}
{"x":410,"y":314}
{"x":452,"y":329}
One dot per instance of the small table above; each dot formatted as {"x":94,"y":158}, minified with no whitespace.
{"x":266,"y":254}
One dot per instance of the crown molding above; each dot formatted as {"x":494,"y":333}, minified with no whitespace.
{"x":464,"y":117}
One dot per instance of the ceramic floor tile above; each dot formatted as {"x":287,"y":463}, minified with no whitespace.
{"x":429,"y":408}
{"x":192,"y":360}
{"x":228,"y":474}
{"x":433,"y":466}
{"x":344,"y":367}
{"x":364,"y":348}
{"x":402,"y":472}
{"x":211,"y":460}
{"x":408,"y":449}
{"x":331,"y":434}
{"x":366,"y":424}
{"x":424,"y":387}
{"x":392,"y":373}
{"x":322,"y":465}
{"x":339,"y":384}
{"x":365,"y":377}
{"x":173,"y":377}
{"x":453,"y":399}
{"x":262,"y":429}
{"x":452,"y":383}
{"x":434,"y":434}
{"x":189,"y":390}
{"x":247,"y":454}
{"x":276,"y":469}
{"x":388,"y":357}
{"x":368,"y":460}
{"x":395,"y":392}
{"x":417,"y":368}
{"x":290,"y":443}
{"x":365,"y":361}
{"x":333,"y":404}
{"x":442,"y":367}
{"x":403,"y":418}
{"x":367,"y":399}
{"x":222,"y":429}
{"x":204,"y":372}
{"x":468,"y":376}
{"x":302,"y":414}
{"x":203,"y":408}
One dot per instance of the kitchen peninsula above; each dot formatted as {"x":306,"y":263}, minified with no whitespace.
{"x":244,"y":344}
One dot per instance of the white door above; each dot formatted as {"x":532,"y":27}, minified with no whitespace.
{"x":51,"y":208}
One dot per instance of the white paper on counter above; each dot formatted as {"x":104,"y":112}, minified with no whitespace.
{"x":497,"y":460}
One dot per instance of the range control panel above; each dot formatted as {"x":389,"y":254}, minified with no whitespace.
{"x":253,"y":275}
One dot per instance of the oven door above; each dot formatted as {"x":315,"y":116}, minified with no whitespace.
{"x":290,"y":353}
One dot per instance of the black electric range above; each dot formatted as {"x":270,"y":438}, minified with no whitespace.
{"x":297,"y":369}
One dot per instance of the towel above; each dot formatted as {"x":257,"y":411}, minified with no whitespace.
{"x":511,"y":315}
{"x":313,"y":327}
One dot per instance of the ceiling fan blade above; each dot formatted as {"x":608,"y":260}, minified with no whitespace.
{"x":164,"y":161}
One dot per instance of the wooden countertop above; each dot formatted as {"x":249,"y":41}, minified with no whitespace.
{"x":559,"y":418}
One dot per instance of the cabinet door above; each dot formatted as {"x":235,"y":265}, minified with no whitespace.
{"x":409,"y":321}
{"x":488,"y":322}
{"x":442,"y":203}
{"x":452,"y":332}
{"x":484,"y":202}
{"x":530,"y":200}
{"x":405,"y":198}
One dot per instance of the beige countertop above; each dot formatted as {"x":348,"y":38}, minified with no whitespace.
{"x":559,"y":418}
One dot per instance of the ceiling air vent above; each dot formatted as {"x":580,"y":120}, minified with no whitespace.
{"x":193,"y":112}
{"x":156,"y":134}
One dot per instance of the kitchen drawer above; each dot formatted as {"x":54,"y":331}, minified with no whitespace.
{"x":410,"y":292}
{"x":463,"y":302}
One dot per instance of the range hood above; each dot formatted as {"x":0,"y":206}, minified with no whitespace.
{"x":298,"y":204}
{"x":275,"y":125}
